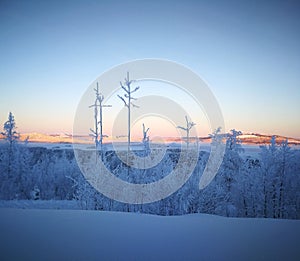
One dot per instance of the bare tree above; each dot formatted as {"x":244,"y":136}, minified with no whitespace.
{"x":145,"y":139}
{"x":189,"y":126}
{"x":126,"y":86}
{"x":98,"y":105}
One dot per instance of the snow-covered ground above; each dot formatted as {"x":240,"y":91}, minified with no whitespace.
{"x":249,"y":150}
{"x":32,"y":234}
{"x":40,"y":204}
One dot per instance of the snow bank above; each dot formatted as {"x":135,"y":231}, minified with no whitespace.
{"x":90,"y":235}
{"x":40,"y":204}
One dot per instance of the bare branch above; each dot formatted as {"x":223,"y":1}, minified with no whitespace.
{"x":186,"y":119}
{"x":135,"y":89}
{"x":97,"y":132}
{"x":179,"y":127}
{"x":125,"y":89}
{"x":128,"y":83}
{"x":121,"y":136}
{"x":123,"y":100}
{"x":189,"y":126}
{"x":135,"y":106}
{"x":94,"y":105}
{"x":93,"y":131}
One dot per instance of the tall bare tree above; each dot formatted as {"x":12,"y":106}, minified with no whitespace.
{"x":189,"y":126}
{"x":127,"y":99}
{"x":98,"y":105}
{"x":146,"y":139}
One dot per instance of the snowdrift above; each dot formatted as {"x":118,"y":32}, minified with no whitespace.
{"x":91,"y":235}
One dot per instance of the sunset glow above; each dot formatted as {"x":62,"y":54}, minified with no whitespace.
{"x":247,"y":53}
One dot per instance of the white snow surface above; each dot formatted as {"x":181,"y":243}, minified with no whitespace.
{"x":35,"y":234}
{"x":40,"y":204}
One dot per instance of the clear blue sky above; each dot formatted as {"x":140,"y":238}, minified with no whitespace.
{"x":247,"y":51}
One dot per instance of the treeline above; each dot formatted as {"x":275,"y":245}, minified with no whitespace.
{"x":36,"y":173}
{"x":266,"y":186}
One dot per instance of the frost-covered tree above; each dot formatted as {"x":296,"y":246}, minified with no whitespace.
{"x":250,"y":182}
{"x":9,"y":166}
{"x":35,"y":193}
{"x":291,"y":185}
{"x":229,"y":193}
{"x":23,"y":175}
{"x":285,"y":154}
{"x":14,"y":164}
{"x":280,"y":171}
{"x":97,"y":132}
{"x":146,"y":140}
{"x":10,"y":134}
{"x":127,"y":99}
{"x":187,"y":129}
{"x":270,"y":168}
{"x":216,"y":136}
{"x":87,"y":196}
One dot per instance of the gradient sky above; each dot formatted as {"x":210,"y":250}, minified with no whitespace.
{"x":247,"y":51}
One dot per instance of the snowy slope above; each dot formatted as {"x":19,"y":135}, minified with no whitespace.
{"x":90,"y":235}
{"x":40,"y":204}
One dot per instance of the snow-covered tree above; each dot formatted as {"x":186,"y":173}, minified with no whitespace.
{"x":216,"y":136}
{"x":127,"y":99}
{"x":270,"y":168}
{"x":146,"y":140}
{"x":85,"y":194}
{"x":229,"y":190}
{"x":250,"y":181}
{"x":35,"y":193}
{"x":285,"y":154}
{"x":9,"y":162}
{"x":97,"y":132}
{"x":23,"y":171}
{"x":291,"y":185}
{"x":10,"y":134}
{"x":281,"y":180}
{"x":187,"y":129}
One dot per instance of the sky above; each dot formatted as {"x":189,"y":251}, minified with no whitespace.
{"x":248,"y":52}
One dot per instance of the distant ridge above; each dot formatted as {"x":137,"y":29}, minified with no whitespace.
{"x":256,"y":138}
{"x":246,"y":138}
{"x":260,"y":139}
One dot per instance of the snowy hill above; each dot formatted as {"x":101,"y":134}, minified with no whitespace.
{"x":92,"y":235}
{"x":65,"y":138}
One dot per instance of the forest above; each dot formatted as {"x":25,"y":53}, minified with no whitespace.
{"x":265,"y":186}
